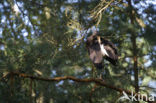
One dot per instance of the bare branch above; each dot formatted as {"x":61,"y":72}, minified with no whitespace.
{"x":88,"y":80}
{"x":96,"y":13}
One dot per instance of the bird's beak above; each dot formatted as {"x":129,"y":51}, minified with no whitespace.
{"x":98,"y":38}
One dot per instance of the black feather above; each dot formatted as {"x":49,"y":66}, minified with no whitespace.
{"x":95,"y":52}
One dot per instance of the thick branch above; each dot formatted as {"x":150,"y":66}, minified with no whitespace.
{"x":88,"y":80}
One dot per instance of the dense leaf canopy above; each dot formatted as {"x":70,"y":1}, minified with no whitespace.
{"x":47,"y":38}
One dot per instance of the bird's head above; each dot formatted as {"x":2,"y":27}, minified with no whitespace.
{"x":92,"y":36}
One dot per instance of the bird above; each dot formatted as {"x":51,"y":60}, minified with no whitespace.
{"x":100,"y":48}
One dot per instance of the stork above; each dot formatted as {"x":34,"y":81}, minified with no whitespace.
{"x":100,"y":48}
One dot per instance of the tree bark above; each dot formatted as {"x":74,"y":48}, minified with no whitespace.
{"x":134,"y":49}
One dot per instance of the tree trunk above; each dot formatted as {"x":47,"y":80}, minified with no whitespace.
{"x":134,"y":49}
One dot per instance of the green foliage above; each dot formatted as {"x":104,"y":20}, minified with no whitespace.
{"x":45,"y":38}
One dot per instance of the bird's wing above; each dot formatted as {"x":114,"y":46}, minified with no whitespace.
{"x":111,"y":53}
{"x":106,"y":42}
{"x":112,"y":57}
{"x":103,"y":50}
{"x":96,"y":57}
{"x":95,"y":53}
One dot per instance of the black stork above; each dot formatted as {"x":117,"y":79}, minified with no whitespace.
{"x":100,"y":48}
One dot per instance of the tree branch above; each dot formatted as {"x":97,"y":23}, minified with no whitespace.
{"x":88,"y":80}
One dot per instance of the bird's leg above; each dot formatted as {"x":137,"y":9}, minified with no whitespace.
{"x":104,"y":72}
{"x":94,"y":72}
{"x":99,"y":73}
